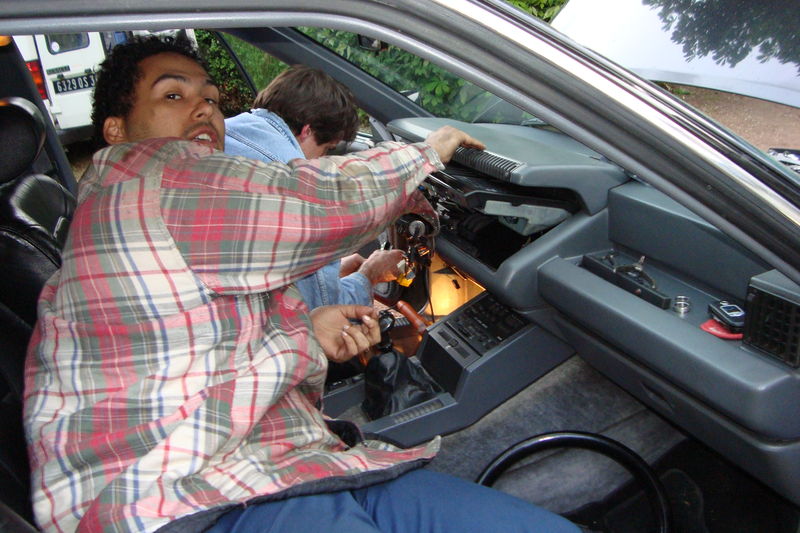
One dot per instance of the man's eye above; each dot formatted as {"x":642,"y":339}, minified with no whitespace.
{"x":212,"y":101}
{"x":174,"y":96}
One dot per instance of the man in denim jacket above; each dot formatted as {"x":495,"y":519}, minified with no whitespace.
{"x":304,"y":113}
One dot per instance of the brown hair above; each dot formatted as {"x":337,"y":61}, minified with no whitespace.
{"x":303,"y":95}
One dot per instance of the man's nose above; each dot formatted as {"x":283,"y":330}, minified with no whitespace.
{"x":203,"y":108}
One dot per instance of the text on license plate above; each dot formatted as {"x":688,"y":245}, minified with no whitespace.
{"x":75,"y":83}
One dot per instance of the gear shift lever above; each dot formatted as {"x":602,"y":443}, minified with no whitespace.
{"x":385,"y":323}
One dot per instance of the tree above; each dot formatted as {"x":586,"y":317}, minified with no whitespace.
{"x":544,"y":9}
{"x":435,"y":89}
{"x":730,"y":30}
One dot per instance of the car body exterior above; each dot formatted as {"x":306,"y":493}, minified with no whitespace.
{"x":63,"y":66}
{"x":600,"y":199}
{"x":660,"y":42}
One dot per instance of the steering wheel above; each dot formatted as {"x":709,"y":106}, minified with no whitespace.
{"x":612,"y":449}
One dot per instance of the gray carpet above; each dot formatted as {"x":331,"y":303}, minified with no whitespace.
{"x":571,"y":397}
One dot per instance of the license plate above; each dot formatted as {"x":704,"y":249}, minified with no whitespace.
{"x":75,"y":83}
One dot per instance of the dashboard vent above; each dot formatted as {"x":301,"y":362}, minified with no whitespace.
{"x":486,"y":162}
{"x":773,"y":325}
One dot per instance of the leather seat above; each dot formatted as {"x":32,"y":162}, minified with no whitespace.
{"x":35,"y":210}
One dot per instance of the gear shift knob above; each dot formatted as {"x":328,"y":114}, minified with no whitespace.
{"x":385,"y":324}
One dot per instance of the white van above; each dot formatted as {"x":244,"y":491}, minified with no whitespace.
{"x":63,"y":67}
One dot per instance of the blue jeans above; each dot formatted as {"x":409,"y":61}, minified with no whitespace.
{"x":420,"y":501}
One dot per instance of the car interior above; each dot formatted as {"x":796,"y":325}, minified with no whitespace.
{"x":589,"y":343}
{"x":36,"y":206}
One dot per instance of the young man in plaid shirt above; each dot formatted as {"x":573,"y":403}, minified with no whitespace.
{"x":174,"y":377}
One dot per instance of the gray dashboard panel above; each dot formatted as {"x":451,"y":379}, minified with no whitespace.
{"x":753,"y":390}
{"x":516,"y":281}
{"x":776,"y":463}
{"x":541,"y":158}
{"x":645,"y":220}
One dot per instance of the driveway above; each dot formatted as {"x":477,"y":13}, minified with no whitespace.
{"x":763,"y":124}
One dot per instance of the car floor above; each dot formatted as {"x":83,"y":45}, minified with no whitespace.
{"x":707,"y":493}
{"x":571,"y":397}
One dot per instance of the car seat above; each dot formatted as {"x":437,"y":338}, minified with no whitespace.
{"x":35,"y":210}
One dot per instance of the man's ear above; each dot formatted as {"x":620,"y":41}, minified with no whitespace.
{"x":305,"y":133}
{"x":114,"y":130}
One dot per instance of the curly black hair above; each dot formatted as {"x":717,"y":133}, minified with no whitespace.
{"x":118,"y":74}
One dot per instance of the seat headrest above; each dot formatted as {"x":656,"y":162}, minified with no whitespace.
{"x":22,"y":134}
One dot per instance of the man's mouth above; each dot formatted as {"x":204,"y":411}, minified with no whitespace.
{"x":204,"y":135}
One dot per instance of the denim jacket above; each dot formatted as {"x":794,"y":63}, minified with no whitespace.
{"x":263,"y":135}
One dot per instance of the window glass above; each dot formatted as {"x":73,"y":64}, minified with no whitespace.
{"x":764,"y":124}
{"x":238,"y":86}
{"x":439,"y":92}
{"x":113,"y":38}
{"x":58,"y":43}
{"x":260,"y":67}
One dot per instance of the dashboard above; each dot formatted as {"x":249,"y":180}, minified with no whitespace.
{"x":611,"y":269}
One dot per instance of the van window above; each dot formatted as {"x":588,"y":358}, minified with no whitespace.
{"x":58,"y":43}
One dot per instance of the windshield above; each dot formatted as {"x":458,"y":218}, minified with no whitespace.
{"x":431,"y":87}
{"x":765,"y":125}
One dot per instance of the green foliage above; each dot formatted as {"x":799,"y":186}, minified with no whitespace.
{"x":235,"y":93}
{"x":261,"y":66}
{"x":544,"y":9}
{"x":436,"y":90}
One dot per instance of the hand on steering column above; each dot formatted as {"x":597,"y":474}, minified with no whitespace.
{"x":382,"y":265}
{"x":339,"y":337}
{"x":350,"y":264}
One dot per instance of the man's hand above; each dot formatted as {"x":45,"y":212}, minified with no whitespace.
{"x":340,"y":338}
{"x":446,"y":139}
{"x":382,"y":265}
{"x":350,"y":264}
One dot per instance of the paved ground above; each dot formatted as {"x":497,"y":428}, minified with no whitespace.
{"x":763,"y":124}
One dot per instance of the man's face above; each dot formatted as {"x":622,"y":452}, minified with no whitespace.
{"x":174,"y":97}
{"x":313,"y":149}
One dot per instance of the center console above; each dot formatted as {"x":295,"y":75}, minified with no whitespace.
{"x":480,"y":355}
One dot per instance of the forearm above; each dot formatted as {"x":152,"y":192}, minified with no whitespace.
{"x":355,"y":288}
{"x":259,"y":227}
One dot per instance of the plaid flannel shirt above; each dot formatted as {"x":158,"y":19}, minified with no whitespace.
{"x":172,"y":370}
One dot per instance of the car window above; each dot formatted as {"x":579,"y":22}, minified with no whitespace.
{"x":437,"y":91}
{"x":255,"y":70}
{"x":236,"y":82}
{"x":58,"y":43}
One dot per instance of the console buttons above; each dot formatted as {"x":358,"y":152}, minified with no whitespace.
{"x":485,"y":324}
